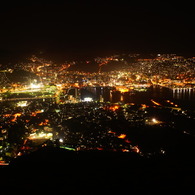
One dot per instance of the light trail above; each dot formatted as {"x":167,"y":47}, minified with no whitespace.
{"x":156,"y":103}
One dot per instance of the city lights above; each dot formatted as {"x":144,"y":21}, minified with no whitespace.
{"x":81,"y":114}
{"x":154,"y":121}
{"x":88,"y":99}
{"x":35,"y":86}
{"x":22,"y":103}
{"x":82,"y":111}
{"x":41,"y":135}
{"x":122,"y":136}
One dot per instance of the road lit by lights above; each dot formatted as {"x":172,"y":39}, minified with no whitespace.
{"x":156,"y":103}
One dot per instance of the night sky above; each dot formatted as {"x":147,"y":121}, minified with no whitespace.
{"x":98,"y":28}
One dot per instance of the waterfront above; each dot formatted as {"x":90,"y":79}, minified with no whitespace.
{"x":184,"y":98}
{"x":111,"y":125}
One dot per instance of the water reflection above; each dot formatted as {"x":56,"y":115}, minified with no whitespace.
{"x":184,"y":94}
{"x":110,"y":94}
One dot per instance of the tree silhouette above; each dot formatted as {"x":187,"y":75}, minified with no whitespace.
{"x":16,"y":133}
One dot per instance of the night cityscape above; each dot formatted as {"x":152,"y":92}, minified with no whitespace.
{"x":93,"y":104}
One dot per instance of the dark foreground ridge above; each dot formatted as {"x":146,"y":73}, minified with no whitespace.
{"x":57,"y":171}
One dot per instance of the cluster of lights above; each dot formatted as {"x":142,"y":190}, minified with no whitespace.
{"x":88,"y":99}
{"x":22,"y":104}
{"x":41,"y":135}
{"x":153,"y":121}
{"x":168,"y":101}
{"x":35,"y":86}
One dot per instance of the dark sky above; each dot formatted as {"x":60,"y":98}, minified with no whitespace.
{"x":95,"y":28}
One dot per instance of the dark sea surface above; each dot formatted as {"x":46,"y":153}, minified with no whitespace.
{"x":184,"y":98}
